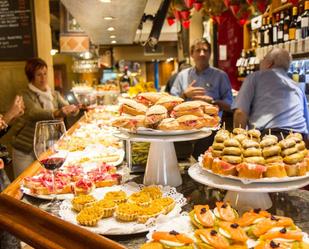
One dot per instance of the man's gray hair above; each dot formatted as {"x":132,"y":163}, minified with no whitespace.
{"x":280,"y":58}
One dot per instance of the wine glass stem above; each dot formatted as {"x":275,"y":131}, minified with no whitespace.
{"x":54,"y":186}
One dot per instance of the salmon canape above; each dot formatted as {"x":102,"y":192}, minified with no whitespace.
{"x":233,"y":232}
{"x":173,"y":239}
{"x":201,"y":216}
{"x":225,"y":212}
{"x":210,"y":238}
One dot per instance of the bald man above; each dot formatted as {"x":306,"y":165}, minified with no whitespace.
{"x":269,"y":99}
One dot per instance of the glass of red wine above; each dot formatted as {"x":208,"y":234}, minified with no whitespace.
{"x":46,"y":140}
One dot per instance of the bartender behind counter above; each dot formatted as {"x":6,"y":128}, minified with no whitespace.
{"x":205,"y":83}
{"x":269,"y":99}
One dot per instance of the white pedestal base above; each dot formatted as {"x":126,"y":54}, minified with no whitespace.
{"x":244,"y":201}
{"x":162,"y":166}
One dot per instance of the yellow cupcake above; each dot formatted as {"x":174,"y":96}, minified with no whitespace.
{"x":151,"y":211}
{"x":167,"y":203}
{"x":89,"y":216}
{"x":127,"y":212}
{"x":107,"y":207}
{"x":116,"y":196}
{"x":140,"y":198}
{"x":153,"y":191}
{"x":79,"y":202}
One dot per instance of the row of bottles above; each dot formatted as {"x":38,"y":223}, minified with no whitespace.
{"x":247,"y":63}
{"x":286,"y":26}
{"x":299,"y":71}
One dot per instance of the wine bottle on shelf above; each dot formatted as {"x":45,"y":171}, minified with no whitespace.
{"x":302,"y":75}
{"x":286,"y":25}
{"x":280,"y":27}
{"x":305,"y":21}
{"x":266,"y":32}
{"x":261,"y":33}
{"x":293,"y":24}
{"x":298,"y":24}
{"x":275,"y":29}
{"x":270,"y":31}
{"x":295,"y":74}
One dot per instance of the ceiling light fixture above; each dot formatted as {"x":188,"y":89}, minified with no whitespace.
{"x":112,"y":37}
{"x":105,"y":1}
{"x":113,"y":42}
{"x":111,"y":29}
{"x":108,"y":18}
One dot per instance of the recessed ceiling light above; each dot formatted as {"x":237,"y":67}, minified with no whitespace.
{"x":113,"y":42}
{"x":112,"y":37}
{"x":111,"y":29}
{"x":105,"y":1}
{"x":108,"y":18}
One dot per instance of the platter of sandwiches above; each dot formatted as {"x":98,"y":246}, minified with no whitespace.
{"x":156,"y":113}
{"x":246,"y":156}
{"x":222,"y":227}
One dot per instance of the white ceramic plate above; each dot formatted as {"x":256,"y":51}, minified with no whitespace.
{"x":110,"y":226}
{"x":261,"y":180}
{"x":149,"y":131}
{"x":210,"y":179}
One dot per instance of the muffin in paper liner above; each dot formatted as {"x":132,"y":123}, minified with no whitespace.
{"x":141,"y":199}
{"x":153,"y":191}
{"x":89,"y":216}
{"x":151,"y":211}
{"x":81,"y":201}
{"x":107,"y":207}
{"x":167,"y":203}
{"x":127,"y":212}
{"x":116,"y":196}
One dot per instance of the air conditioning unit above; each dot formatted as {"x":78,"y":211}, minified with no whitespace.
{"x":153,"y":51}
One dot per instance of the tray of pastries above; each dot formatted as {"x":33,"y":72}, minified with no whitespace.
{"x":157,"y":113}
{"x":70,"y":180}
{"x":223,"y":228}
{"x":246,"y":156}
{"x":125,"y":209}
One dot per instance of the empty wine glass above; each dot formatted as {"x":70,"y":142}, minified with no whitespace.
{"x":45,"y":144}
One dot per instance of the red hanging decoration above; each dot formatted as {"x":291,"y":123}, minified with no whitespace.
{"x":170,"y":21}
{"x":186,"y":24}
{"x":219,"y":19}
{"x":177,"y":14}
{"x":189,"y":3}
{"x":197,"y":6}
{"x":227,"y":3}
{"x":261,"y":5}
{"x":234,"y":8}
{"x":185,"y":14}
{"x":294,"y":2}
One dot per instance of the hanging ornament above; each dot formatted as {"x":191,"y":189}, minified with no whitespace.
{"x":189,"y":3}
{"x":171,"y":20}
{"x":234,"y":8}
{"x":294,"y":2}
{"x":197,"y":6}
{"x":219,"y":19}
{"x":177,"y":14}
{"x":186,"y":24}
{"x":227,"y":3}
{"x":185,"y":14}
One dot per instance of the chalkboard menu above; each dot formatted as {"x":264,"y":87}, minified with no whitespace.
{"x":17,"y":30}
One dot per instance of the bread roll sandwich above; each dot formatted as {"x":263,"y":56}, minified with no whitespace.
{"x":150,"y":98}
{"x":155,"y":115}
{"x":190,"y":122}
{"x":168,"y":124}
{"x":188,"y":108}
{"x":129,"y":122}
{"x":169,"y":102}
{"x":132,"y":107}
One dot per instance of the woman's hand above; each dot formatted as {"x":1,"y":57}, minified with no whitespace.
{"x":69,"y":110}
{"x":1,"y":164}
{"x":16,"y":110}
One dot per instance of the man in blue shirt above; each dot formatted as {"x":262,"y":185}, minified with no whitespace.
{"x":269,"y":99}
{"x":203,"y":82}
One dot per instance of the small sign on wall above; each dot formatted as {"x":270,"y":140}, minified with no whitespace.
{"x":222,"y":52}
{"x":256,"y":22}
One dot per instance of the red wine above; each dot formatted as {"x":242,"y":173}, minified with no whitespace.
{"x":52,"y":163}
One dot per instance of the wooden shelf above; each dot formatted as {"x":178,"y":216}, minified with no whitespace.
{"x":283,"y":7}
